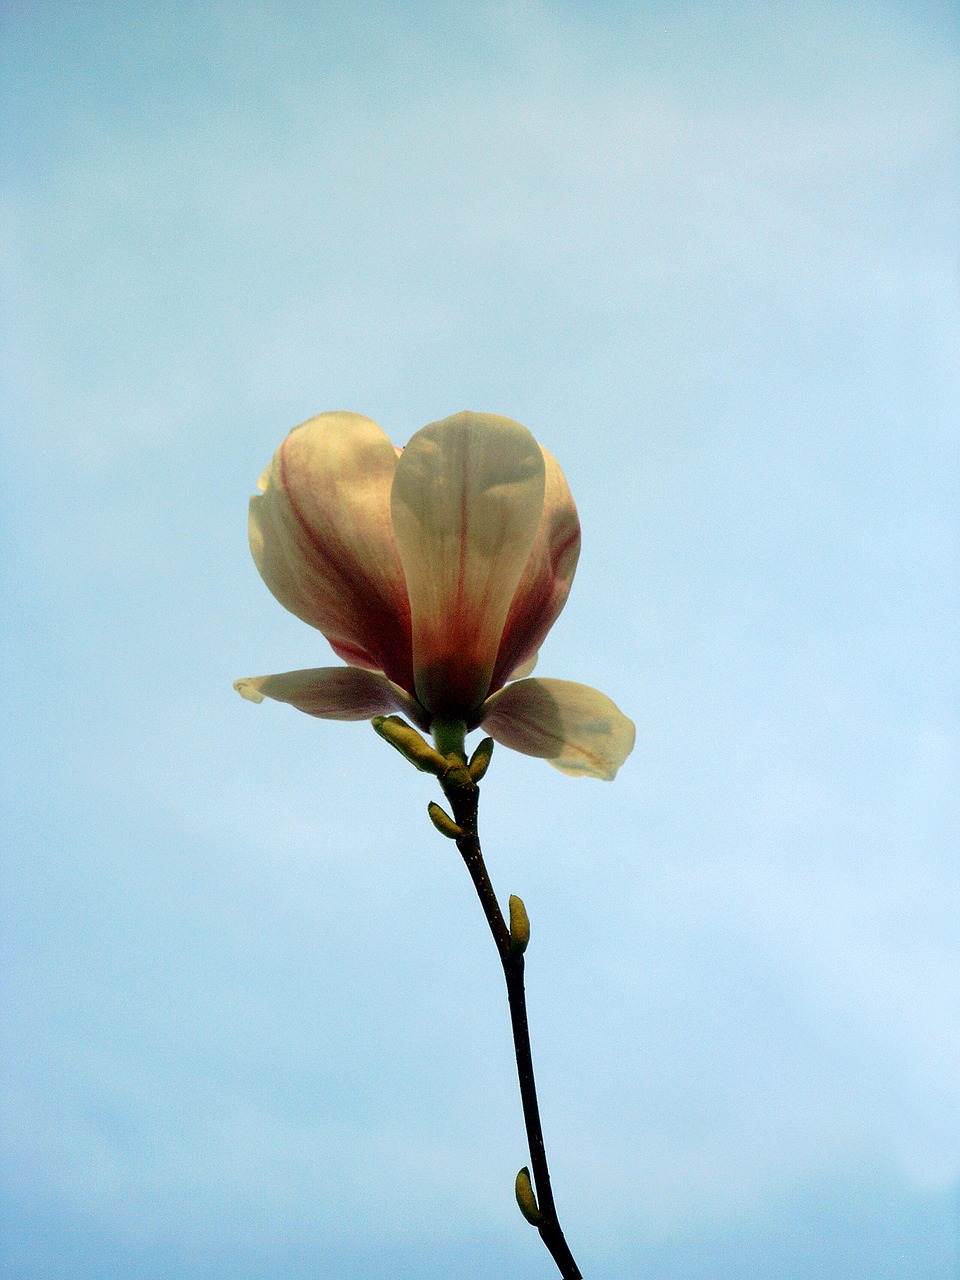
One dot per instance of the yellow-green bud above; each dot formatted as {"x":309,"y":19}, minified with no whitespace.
{"x":410,"y":744}
{"x":526,"y":1199}
{"x":443,"y":822}
{"x":519,"y":925}
{"x":480,"y":760}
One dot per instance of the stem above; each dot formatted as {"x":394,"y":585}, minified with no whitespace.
{"x":463,"y":794}
{"x":449,"y":736}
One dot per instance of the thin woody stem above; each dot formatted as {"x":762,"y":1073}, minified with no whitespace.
{"x":463,"y":794}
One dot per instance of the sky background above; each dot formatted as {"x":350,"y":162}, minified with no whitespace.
{"x":254,"y":1024}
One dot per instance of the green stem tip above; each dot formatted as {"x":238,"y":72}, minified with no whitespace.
{"x":450,"y":737}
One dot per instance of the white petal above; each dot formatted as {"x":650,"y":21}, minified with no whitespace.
{"x":467,"y":499}
{"x":578,"y":729}
{"x":333,"y":693}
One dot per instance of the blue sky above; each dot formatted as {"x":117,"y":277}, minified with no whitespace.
{"x":708,"y":254}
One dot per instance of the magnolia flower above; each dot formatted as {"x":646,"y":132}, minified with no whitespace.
{"x":435,"y":571}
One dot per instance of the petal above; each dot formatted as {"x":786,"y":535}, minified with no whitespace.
{"x":546,"y":579}
{"x":525,"y":668}
{"x":333,"y":693}
{"x":467,"y":500}
{"x":322,"y":538}
{"x":578,"y":729}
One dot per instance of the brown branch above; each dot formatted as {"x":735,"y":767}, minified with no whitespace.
{"x":463,"y":793}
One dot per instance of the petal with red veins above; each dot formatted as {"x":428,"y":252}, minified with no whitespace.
{"x":576,"y":728}
{"x":333,"y":693}
{"x":322,"y":538}
{"x":467,"y":500}
{"x":545,"y":583}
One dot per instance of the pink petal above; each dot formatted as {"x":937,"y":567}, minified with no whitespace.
{"x":467,"y":499}
{"x":578,"y":729}
{"x":546,"y":579}
{"x":333,"y":693}
{"x":322,"y":538}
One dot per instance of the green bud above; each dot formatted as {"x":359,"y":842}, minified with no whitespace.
{"x":443,"y":822}
{"x":480,"y":760}
{"x":410,"y":744}
{"x":519,"y":925}
{"x":526,"y":1199}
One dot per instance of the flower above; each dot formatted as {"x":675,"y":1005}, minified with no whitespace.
{"x":435,"y":572}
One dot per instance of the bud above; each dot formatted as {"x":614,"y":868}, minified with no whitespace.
{"x":480,"y":760}
{"x":526,"y":1199}
{"x":519,"y":925}
{"x":443,"y":822}
{"x":410,"y":744}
